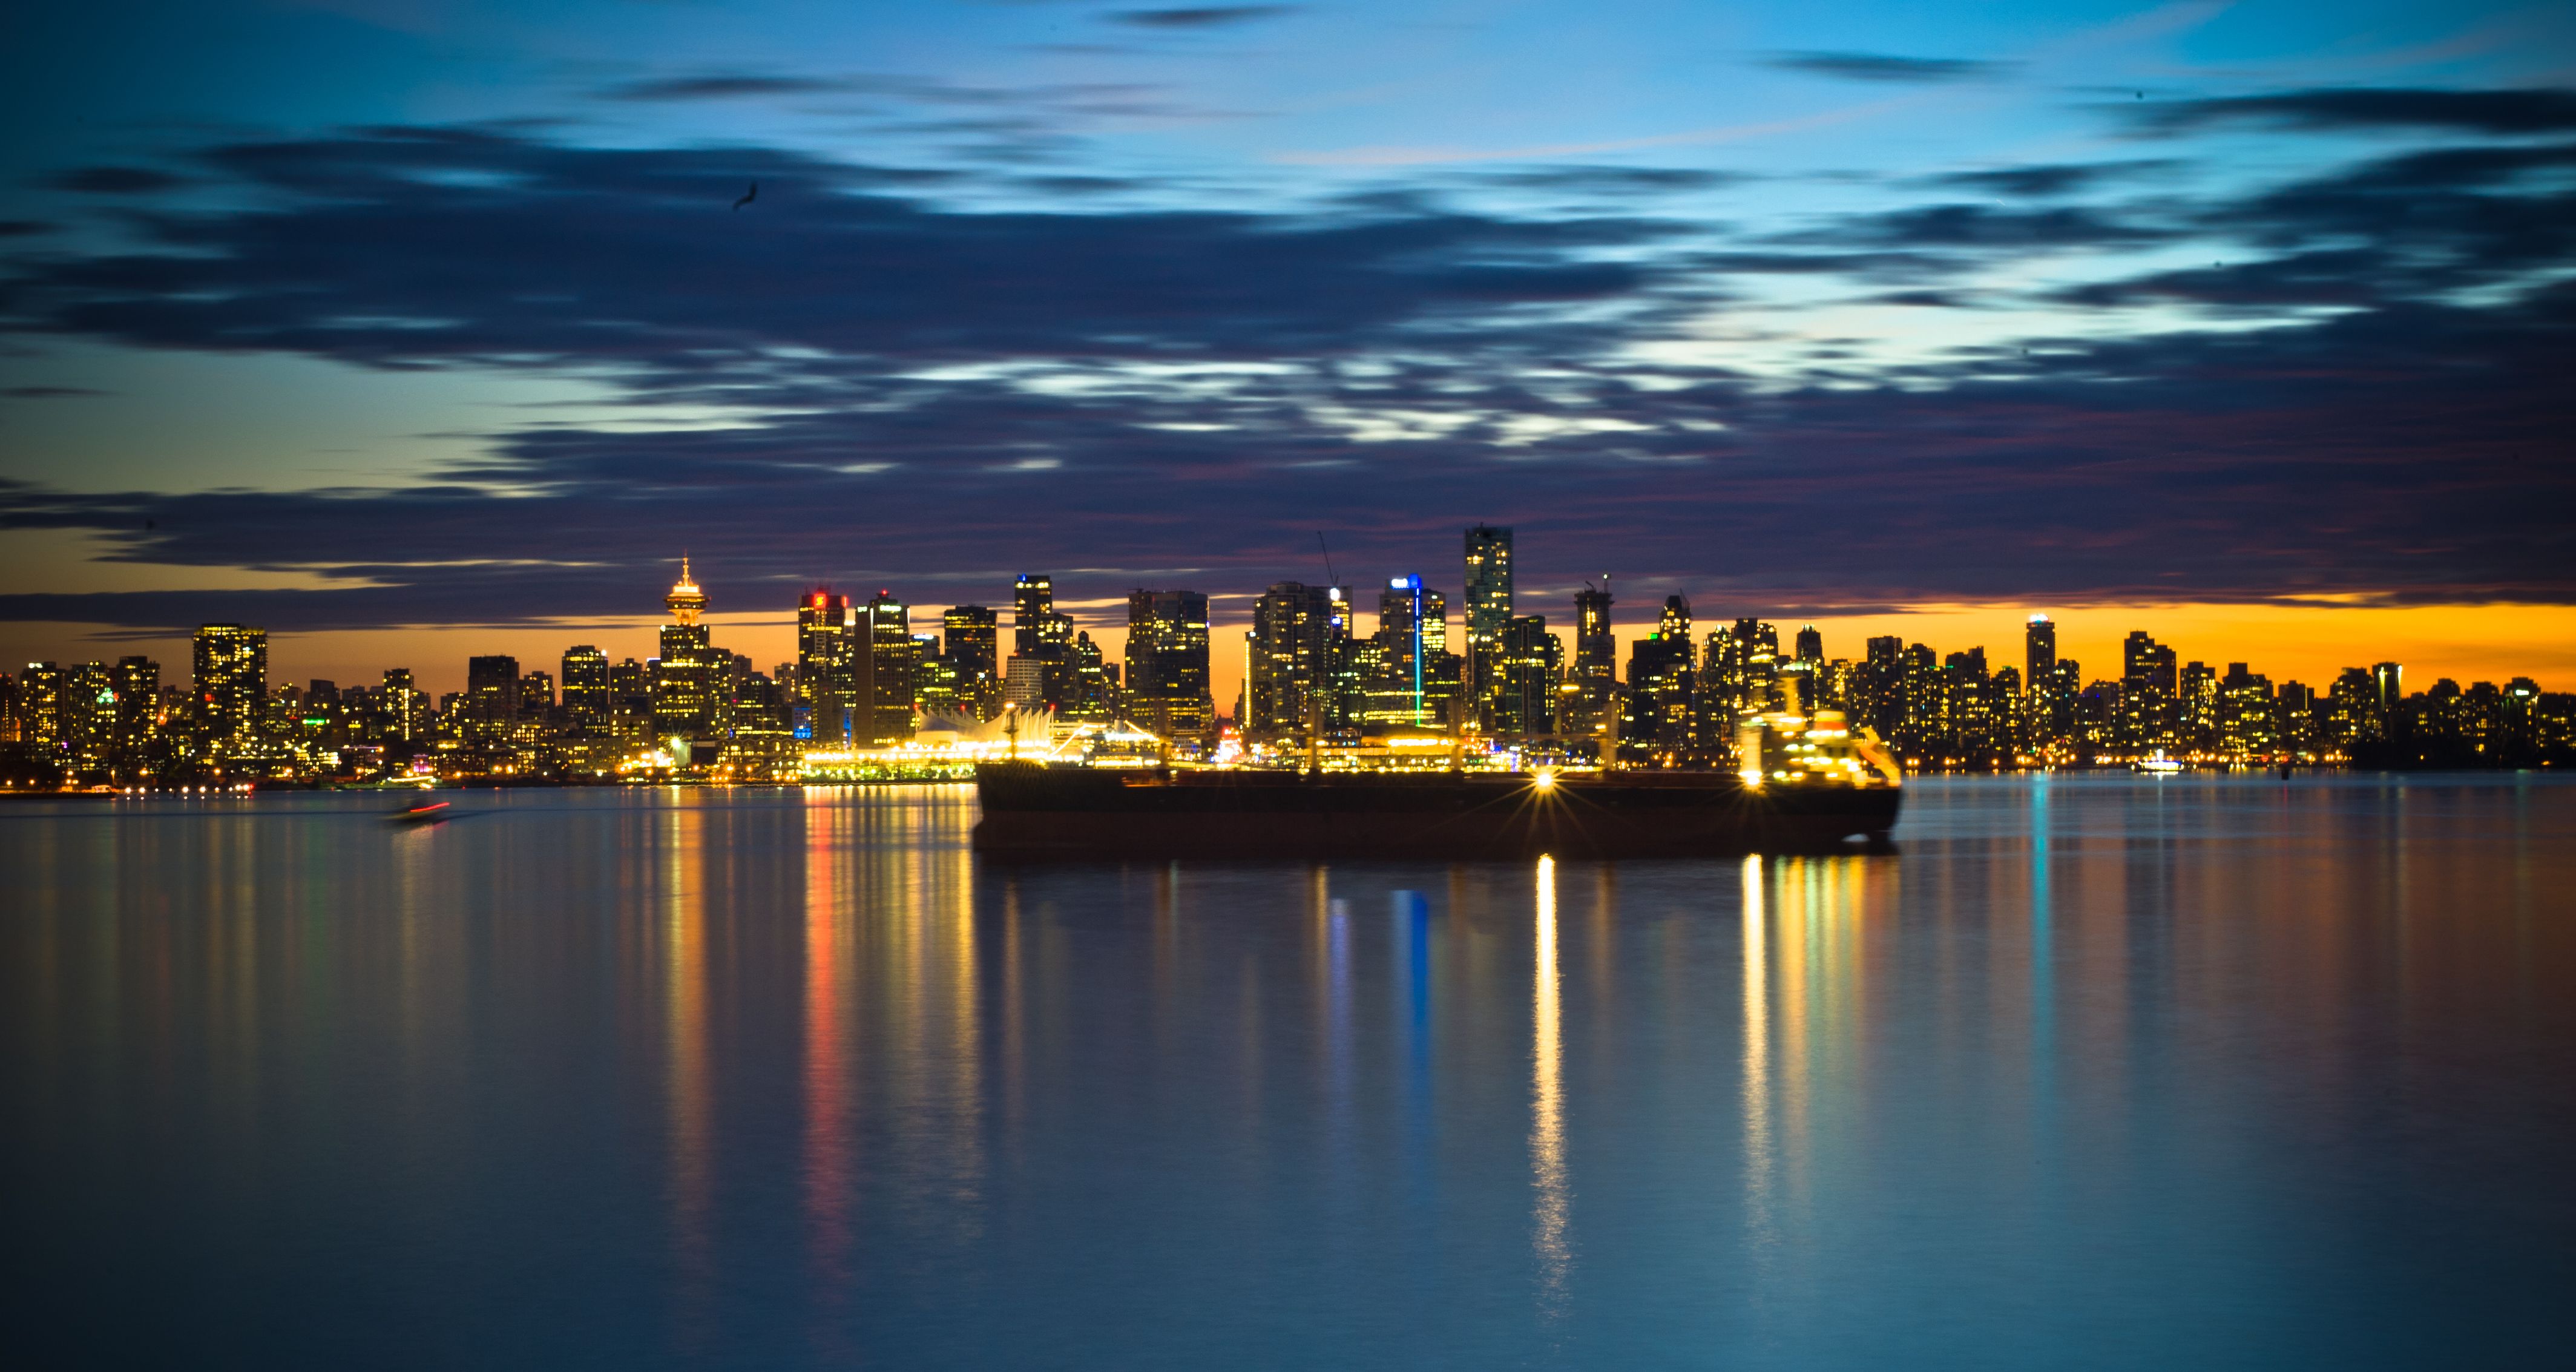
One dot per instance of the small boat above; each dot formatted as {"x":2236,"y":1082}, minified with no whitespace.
{"x":433,"y":812}
{"x":2157,"y":764}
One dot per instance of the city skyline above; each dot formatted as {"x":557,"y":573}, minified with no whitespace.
{"x":345,"y":319}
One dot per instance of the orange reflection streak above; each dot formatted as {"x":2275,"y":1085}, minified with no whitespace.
{"x":1758,"y":1160}
{"x":685,"y":1024}
{"x":828,"y":1164}
{"x":1547,"y":1105}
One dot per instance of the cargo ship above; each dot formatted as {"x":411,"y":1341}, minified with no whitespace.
{"x":1806,"y":792}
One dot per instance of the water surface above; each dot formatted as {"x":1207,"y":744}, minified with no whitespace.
{"x":2097,"y":1072}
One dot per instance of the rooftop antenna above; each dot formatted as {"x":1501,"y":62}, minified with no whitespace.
{"x":1330,"y":577}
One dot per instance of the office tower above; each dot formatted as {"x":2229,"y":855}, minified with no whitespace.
{"x":1167,"y":663}
{"x":1401,"y":610}
{"x":136,"y":682}
{"x":968,"y":639}
{"x":886,"y":675}
{"x":1596,"y":651}
{"x":1489,"y":613}
{"x":688,"y":676}
{"x":2039,"y":649}
{"x":1093,"y":694}
{"x":585,"y":688}
{"x":1811,"y":645}
{"x":1879,"y":684}
{"x":1042,"y":635}
{"x":1533,"y":664}
{"x":1293,"y":650}
{"x":1657,"y":722}
{"x":491,"y":703}
{"x":231,"y":681}
{"x":2196,"y":707}
{"x":536,"y":694}
{"x":826,"y":667}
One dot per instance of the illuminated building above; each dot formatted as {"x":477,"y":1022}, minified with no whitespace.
{"x":826,"y":666}
{"x":230,"y":674}
{"x":1295,"y":644}
{"x":405,"y":706}
{"x":2150,"y":682}
{"x":1167,"y":663}
{"x":2039,"y":649}
{"x":136,"y":684}
{"x":1489,"y":615}
{"x":887,"y":672}
{"x":1662,"y":673}
{"x":969,"y":645}
{"x":1595,"y":674}
{"x":687,"y":676}
{"x":585,"y":688}
{"x":1811,"y":646}
{"x":2388,"y":685}
{"x":1042,"y":635}
{"x":1533,"y":663}
{"x":1093,"y":697}
{"x":491,"y":703}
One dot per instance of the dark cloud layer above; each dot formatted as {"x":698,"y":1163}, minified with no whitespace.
{"x":922,"y":397}
{"x":2496,"y":112}
{"x":1200,"y":16}
{"x":1882,"y":67}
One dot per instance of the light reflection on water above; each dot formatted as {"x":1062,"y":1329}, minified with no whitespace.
{"x":2094,"y":1071}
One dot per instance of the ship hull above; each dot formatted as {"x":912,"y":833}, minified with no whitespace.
{"x":1061,"y":813}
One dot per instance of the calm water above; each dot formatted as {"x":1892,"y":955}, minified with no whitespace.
{"x":2100,"y":1073}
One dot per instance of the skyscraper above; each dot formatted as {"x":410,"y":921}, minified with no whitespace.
{"x":688,"y":678}
{"x":585,"y":688}
{"x":886,"y":674}
{"x":137,"y":684}
{"x":231,"y":679}
{"x":969,"y":640}
{"x":2039,"y":650}
{"x":1292,"y":649}
{"x":1662,"y":668}
{"x":1489,"y":615}
{"x":1533,"y":663}
{"x":491,"y":703}
{"x":1167,"y":662}
{"x":1811,"y":646}
{"x":1596,"y":648}
{"x":826,"y":667}
{"x":1041,"y":635}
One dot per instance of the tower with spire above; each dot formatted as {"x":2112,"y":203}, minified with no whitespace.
{"x":689,"y":677}
{"x":686,"y":601}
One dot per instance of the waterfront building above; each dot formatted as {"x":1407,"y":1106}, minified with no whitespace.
{"x":136,"y":684}
{"x":1595,"y":673}
{"x":491,"y":703}
{"x":2039,"y":649}
{"x":1533,"y":664}
{"x":1657,"y":721}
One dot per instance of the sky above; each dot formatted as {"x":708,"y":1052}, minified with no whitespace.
{"x":411,"y":330}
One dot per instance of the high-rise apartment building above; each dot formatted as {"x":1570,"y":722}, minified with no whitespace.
{"x":969,"y":643}
{"x":231,"y":681}
{"x":1042,"y":635}
{"x":136,"y":683}
{"x":2038,"y":649}
{"x":1533,"y":663}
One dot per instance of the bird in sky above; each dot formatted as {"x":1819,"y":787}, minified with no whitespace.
{"x":748,"y":196}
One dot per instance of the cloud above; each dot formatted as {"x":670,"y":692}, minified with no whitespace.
{"x":1614,"y":180}
{"x":1199,"y":17}
{"x":411,"y":246}
{"x":48,"y":392}
{"x":117,"y":181}
{"x":1881,"y":67}
{"x":2492,"y":112}
{"x":865,"y":383}
{"x":720,"y":86}
{"x":2041,"y":181}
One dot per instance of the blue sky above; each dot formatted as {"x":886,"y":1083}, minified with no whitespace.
{"x":353,"y":314}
